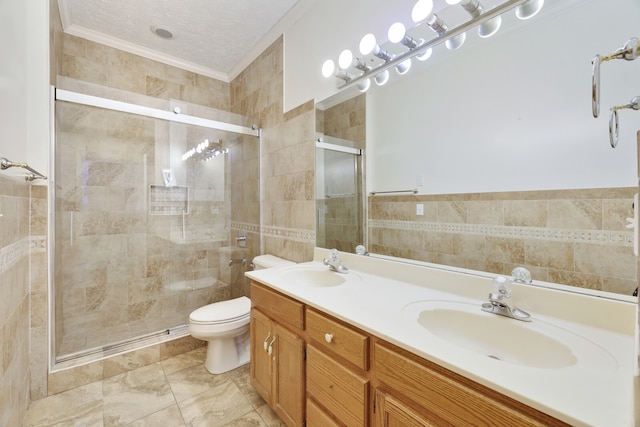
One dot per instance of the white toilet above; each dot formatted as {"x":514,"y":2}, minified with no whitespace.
{"x":225,"y":325}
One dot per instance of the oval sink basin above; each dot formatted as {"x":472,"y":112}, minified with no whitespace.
{"x":316,"y":276}
{"x":535,"y":344}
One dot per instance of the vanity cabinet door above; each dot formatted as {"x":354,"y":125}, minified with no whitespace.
{"x":261,"y":367}
{"x":277,"y":368}
{"x":390,"y":412}
{"x":288,"y":387}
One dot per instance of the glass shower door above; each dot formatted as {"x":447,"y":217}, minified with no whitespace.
{"x":138,"y":226}
{"x":339,"y":200}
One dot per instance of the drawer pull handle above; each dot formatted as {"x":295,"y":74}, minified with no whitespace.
{"x":265,"y":345}
{"x":328,"y":337}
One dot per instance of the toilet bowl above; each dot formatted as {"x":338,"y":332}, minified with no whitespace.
{"x":225,"y":326}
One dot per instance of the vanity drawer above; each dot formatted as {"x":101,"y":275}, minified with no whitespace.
{"x":451,"y":397}
{"x":343,"y":393}
{"x":316,"y":417}
{"x":279,"y":307}
{"x":343,"y":340}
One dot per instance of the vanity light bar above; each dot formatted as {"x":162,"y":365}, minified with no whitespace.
{"x":424,"y":47}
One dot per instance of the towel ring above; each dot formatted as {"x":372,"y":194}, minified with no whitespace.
{"x":614,"y":125}
{"x":629,"y":51}
{"x":595,"y":86}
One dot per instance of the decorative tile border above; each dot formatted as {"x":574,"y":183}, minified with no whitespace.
{"x":305,"y":236}
{"x":11,"y":254}
{"x":243,"y":226}
{"x":618,"y":238}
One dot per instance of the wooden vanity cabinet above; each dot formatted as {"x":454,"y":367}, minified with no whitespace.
{"x":351,"y":378}
{"x":277,"y":369}
{"x":444,"y":398}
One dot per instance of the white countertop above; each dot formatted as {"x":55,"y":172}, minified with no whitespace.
{"x":376,"y":291}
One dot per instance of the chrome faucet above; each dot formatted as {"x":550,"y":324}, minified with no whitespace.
{"x":501,"y":289}
{"x":334,"y":263}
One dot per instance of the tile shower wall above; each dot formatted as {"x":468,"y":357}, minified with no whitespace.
{"x":288,"y":199}
{"x":573,"y":237}
{"x":15,"y":246}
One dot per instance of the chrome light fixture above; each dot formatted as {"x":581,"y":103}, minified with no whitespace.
{"x":329,"y":69}
{"x":487,"y":21}
{"x":440,"y":28}
{"x":369,"y":45}
{"x":398,"y":34}
{"x":346,"y":61}
{"x":475,"y":9}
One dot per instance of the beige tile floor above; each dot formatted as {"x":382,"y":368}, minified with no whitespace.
{"x":175,"y":392}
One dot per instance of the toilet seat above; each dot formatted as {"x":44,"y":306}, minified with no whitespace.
{"x":230,"y":311}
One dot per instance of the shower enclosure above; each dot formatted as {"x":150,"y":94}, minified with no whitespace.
{"x":141,"y":200}
{"x":339,"y":198}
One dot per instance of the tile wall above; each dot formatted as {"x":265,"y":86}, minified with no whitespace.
{"x":15,"y":247}
{"x":573,"y":237}
{"x":288,"y":155}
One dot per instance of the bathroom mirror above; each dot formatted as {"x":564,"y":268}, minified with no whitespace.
{"x":509,"y":165}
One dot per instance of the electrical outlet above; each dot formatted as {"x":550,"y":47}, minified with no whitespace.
{"x":419,"y":209}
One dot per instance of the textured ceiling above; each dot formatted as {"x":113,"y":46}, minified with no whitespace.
{"x":213,"y":37}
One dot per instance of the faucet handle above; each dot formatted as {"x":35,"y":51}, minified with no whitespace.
{"x":521,"y":275}
{"x":334,"y":254}
{"x":501,"y":287}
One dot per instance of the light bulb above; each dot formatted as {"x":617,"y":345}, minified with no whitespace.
{"x":489,"y":28}
{"x":404,"y":66}
{"x":328,"y":68}
{"x":345,"y":59}
{"x":455,"y":42}
{"x":368,"y":44}
{"x":421,"y":10}
{"x":396,"y":32}
{"x":453,"y":2}
{"x":382,"y":78}
{"x":425,"y":55}
{"x":364,"y":85}
{"x":529,"y":9}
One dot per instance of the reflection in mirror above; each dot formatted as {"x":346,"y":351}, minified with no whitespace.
{"x":511,"y":167}
{"x":340,"y":205}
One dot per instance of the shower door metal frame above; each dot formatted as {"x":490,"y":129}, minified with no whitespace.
{"x":359,"y":169}
{"x":124,"y":107}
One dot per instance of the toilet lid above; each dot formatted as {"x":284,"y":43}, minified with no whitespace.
{"x":223,"y":311}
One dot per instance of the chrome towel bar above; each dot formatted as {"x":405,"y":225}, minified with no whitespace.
{"x":32,"y":175}
{"x":414,"y":191}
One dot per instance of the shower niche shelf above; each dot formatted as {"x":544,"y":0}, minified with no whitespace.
{"x":168,"y":200}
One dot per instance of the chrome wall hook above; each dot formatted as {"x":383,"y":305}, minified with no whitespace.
{"x":614,"y":125}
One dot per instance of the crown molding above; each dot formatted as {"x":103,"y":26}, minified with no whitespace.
{"x":155,"y":55}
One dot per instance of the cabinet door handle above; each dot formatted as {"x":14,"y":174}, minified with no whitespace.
{"x":270,"y":351}
{"x":265,"y":345}
{"x":328,"y":337}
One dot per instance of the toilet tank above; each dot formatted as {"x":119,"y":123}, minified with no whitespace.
{"x":270,"y":261}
